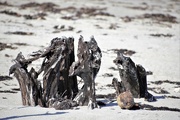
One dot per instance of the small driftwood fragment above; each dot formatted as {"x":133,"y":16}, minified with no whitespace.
{"x":133,"y":78}
{"x":118,"y":86}
{"x":87,"y":67}
{"x":62,"y":103}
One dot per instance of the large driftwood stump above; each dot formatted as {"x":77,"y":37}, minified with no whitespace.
{"x":133,"y":78}
{"x":56,"y":79}
{"x":87,"y":67}
{"x":58,"y":86}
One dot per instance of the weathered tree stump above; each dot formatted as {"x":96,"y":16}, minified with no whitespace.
{"x":57,"y":84}
{"x":133,"y":78}
{"x":87,"y":67}
{"x":59,"y":87}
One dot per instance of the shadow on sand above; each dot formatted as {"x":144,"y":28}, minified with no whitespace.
{"x":32,"y":115}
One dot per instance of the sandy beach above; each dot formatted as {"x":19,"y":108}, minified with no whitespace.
{"x":149,"y":32}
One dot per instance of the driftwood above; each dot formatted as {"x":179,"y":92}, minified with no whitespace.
{"x":133,"y":78}
{"x":58,"y":86}
{"x":87,"y":67}
{"x":20,"y":72}
{"x":59,"y":89}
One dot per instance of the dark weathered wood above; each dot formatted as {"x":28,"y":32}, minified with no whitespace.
{"x":59,"y":79}
{"x":128,"y":74}
{"x":118,"y":86}
{"x":133,"y":78}
{"x":56,"y":78}
{"x":57,"y":84}
{"x":87,"y":67}
{"x":141,"y":73}
{"x":142,"y":77}
{"x":36,"y":88}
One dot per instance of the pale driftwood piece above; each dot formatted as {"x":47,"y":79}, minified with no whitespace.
{"x":87,"y":67}
{"x":20,"y":72}
{"x":133,"y":78}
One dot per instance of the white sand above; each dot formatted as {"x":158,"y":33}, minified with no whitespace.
{"x":161,"y":55}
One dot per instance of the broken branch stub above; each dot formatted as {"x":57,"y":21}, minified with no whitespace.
{"x":20,"y":72}
{"x":87,"y":67}
{"x":133,"y":78}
